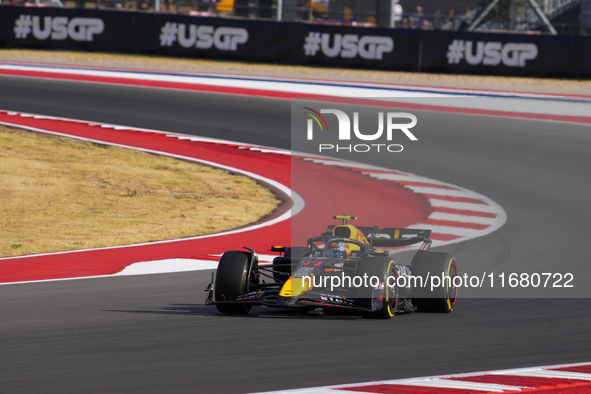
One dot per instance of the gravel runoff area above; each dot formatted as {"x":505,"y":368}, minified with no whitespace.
{"x":539,"y":85}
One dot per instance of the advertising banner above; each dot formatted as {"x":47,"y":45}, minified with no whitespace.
{"x":183,"y":35}
{"x":498,"y":54}
{"x":346,"y":46}
{"x":295,"y":42}
{"x":64,"y":28}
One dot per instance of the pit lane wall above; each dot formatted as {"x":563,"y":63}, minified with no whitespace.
{"x":295,"y":42}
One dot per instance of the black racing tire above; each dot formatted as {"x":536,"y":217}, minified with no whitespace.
{"x":440,"y":299}
{"x":231,"y":281}
{"x":381,"y":267}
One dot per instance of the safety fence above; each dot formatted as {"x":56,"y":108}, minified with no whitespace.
{"x":299,"y":43}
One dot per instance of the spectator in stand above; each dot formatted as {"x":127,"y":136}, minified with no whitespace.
{"x":203,"y":5}
{"x":447,"y":24}
{"x":451,"y":22}
{"x":454,"y":20}
{"x":396,"y":14}
{"x":418,"y":17}
{"x":466,"y":19}
{"x":436,"y":23}
{"x":348,"y":15}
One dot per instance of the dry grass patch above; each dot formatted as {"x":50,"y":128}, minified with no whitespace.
{"x":62,"y":194}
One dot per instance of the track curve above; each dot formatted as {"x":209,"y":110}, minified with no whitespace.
{"x":153,"y":334}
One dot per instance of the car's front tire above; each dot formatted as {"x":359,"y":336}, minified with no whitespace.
{"x":231,"y":281}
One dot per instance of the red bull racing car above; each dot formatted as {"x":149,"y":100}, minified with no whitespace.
{"x":346,"y":267}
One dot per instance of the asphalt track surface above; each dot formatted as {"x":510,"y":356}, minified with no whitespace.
{"x":153,"y":334}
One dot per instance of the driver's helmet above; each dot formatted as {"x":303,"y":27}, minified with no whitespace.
{"x":337,"y":249}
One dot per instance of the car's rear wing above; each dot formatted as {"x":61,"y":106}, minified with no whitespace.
{"x":392,"y":237}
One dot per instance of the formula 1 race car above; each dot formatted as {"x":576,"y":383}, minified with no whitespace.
{"x":341,"y":268}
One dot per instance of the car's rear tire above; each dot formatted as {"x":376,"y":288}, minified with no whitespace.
{"x":231,"y":281}
{"x":442,"y":298}
{"x":380,"y":267}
